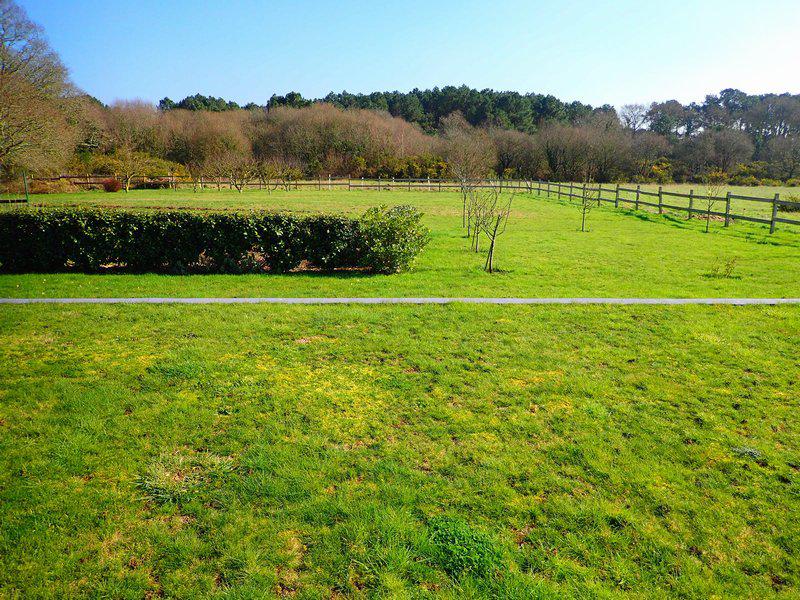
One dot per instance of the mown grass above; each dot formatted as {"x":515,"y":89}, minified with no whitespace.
{"x":543,"y":253}
{"x":394,"y":451}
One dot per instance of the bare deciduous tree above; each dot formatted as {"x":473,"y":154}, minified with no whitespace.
{"x":490,"y":212}
{"x":470,"y":155}
{"x":34,"y":95}
{"x":634,"y":117}
{"x":784,"y":153}
{"x":714,"y":181}
{"x":590,"y":197}
{"x":242,"y":168}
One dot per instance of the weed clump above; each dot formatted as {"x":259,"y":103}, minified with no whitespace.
{"x":178,"y":477}
{"x":462,"y":551}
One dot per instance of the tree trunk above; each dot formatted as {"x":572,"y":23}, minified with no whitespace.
{"x":490,"y":257}
{"x":464,"y":209}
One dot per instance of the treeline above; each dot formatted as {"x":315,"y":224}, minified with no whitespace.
{"x":427,"y":108}
{"x":133,"y":139}
{"x":48,"y":127}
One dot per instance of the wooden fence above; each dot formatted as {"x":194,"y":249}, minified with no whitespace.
{"x":618,"y":194}
{"x":321,"y":183}
{"x":663,"y":200}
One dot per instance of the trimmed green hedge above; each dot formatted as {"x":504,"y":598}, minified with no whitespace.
{"x":51,"y":240}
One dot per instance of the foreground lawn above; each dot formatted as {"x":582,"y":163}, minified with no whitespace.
{"x":268,"y":451}
{"x":542,"y":254}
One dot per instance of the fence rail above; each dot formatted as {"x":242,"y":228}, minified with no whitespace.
{"x":376,"y":183}
{"x":619,"y":195}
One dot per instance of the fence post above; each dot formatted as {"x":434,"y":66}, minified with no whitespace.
{"x":691,"y":205}
{"x":616,"y":198}
{"x":329,"y":182}
{"x":440,"y":184}
{"x":727,"y":209}
{"x":429,"y":184}
{"x":775,"y":201}
{"x":660,"y":201}
{"x":548,"y":188}
{"x":539,"y":184}
{"x":349,"y":184}
{"x":599,"y":193}
{"x":25,"y":185}
{"x":379,"y":183}
{"x":636,"y":205}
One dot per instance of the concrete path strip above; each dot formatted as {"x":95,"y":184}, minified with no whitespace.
{"x":625,"y":301}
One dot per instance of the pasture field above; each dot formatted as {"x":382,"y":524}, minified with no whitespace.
{"x":345,"y":451}
{"x":398,"y":451}
{"x":542,"y":254}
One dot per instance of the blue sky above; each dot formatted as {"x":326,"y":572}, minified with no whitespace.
{"x":596,"y":52}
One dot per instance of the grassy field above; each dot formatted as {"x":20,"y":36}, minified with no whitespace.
{"x":326,"y":452}
{"x":542,"y":254}
{"x":454,"y":451}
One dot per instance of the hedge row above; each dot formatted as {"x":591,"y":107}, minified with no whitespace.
{"x":51,"y":240}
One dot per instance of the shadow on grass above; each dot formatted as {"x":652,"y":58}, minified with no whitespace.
{"x":750,"y":232}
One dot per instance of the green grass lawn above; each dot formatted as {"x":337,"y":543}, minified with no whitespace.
{"x":542,"y":254}
{"x":411,"y":451}
{"x":310,"y":452}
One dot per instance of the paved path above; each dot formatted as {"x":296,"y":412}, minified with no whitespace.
{"x":662,"y":301}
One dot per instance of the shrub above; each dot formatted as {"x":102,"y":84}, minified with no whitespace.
{"x":745,"y":180}
{"x":54,"y":240}
{"x":460,"y":550}
{"x":392,"y":237}
{"x":794,"y":182}
{"x":112,"y":185}
{"x":39,"y":186}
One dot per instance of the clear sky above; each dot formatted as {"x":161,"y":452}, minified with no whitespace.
{"x":598,"y":52}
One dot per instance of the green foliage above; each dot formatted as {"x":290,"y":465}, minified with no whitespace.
{"x":385,"y":240}
{"x":413,"y":167}
{"x":715,"y":177}
{"x":744,"y":180}
{"x":392,"y":237}
{"x":460,"y":550}
{"x":199,"y":102}
{"x":661,"y":171}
